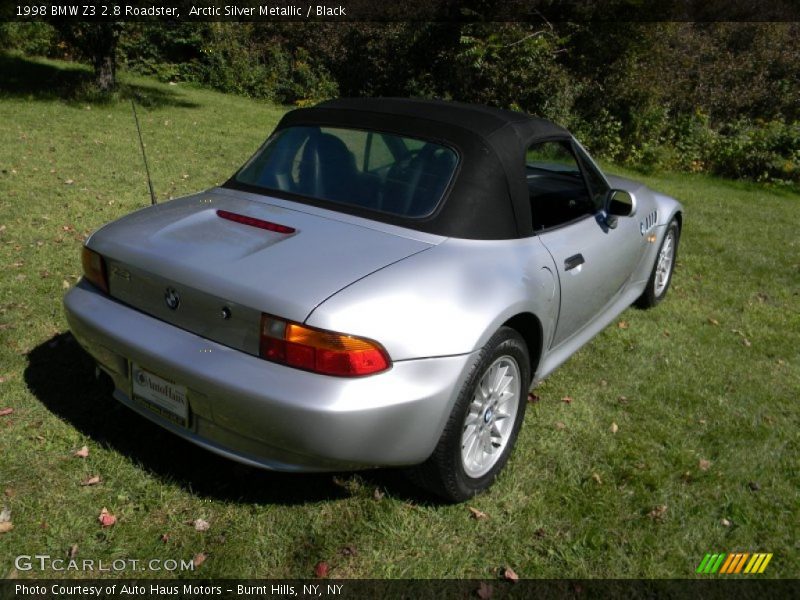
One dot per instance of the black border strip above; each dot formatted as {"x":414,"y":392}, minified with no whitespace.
{"x":534,"y":11}
{"x":721,"y":587}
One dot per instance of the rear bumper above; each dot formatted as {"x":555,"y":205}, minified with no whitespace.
{"x":269,"y":415}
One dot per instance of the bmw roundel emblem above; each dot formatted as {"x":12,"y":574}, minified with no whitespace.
{"x":172,"y":298}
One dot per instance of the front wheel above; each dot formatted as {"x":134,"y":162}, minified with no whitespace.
{"x":661,"y":276}
{"x":484,"y":424}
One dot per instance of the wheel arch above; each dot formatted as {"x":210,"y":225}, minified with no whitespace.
{"x":529,"y":327}
{"x":678,"y":216}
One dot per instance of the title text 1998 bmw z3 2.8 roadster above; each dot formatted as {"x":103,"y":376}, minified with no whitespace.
{"x":379,"y":285}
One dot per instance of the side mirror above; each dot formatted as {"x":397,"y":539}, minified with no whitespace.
{"x":619,"y":203}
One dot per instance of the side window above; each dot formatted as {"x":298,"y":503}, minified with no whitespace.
{"x":556,"y":186}
{"x":597,"y":182}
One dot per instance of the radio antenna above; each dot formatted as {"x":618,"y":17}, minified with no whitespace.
{"x":144,"y":156}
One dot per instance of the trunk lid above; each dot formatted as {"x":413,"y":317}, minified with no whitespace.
{"x":225,"y":274}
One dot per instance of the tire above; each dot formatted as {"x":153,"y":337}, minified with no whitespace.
{"x":484,"y":424}
{"x":661,"y":275}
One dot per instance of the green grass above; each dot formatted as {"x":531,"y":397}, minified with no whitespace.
{"x":711,"y":374}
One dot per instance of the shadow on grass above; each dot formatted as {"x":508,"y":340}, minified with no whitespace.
{"x":61,"y":375}
{"x":21,"y":77}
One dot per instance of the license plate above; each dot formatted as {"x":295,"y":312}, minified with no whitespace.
{"x":160,"y":395}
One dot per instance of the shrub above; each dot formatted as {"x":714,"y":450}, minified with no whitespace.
{"x":764,"y":151}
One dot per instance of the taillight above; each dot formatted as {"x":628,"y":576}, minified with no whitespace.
{"x":94,"y":268}
{"x":321,"y":351}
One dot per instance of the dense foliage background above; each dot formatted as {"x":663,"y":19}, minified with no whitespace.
{"x":702,"y":97}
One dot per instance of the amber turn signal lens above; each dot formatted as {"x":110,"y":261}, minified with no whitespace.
{"x":320,"y":351}
{"x":94,"y":268}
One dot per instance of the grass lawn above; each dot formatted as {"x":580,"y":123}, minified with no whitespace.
{"x":702,"y":391}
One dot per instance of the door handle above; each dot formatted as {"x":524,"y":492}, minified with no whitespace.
{"x":573,"y":261}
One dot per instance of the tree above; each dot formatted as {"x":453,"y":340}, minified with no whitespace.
{"x":97,"y":43}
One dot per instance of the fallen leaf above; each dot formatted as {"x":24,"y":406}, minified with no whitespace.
{"x":164,"y":538}
{"x":532,"y":398}
{"x":349,"y":551}
{"x":484,"y":591}
{"x":559,"y":425}
{"x":6,"y":411}
{"x":704,"y":465}
{"x":510,"y":575}
{"x":754,"y":486}
{"x":378,"y":494}
{"x":614,"y":428}
{"x":69,"y":182}
{"x":713,"y":321}
{"x":199,"y":559}
{"x":566,"y":400}
{"x":477,"y":514}
{"x":65,"y":284}
{"x":82,"y":453}
{"x":598,"y":480}
{"x":658,"y":512}
{"x":321,"y":569}
{"x":5,"y":515}
{"x":622,"y":399}
{"x":339,"y":481}
{"x":540,"y":533}
{"x":725,"y":523}
{"x":746,"y":342}
{"x":73,"y":551}
{"x":3,"y":379}
{"x":622,"y":324}
{"x":603,"y":383}
{"x":6,"y":526}
{"x":200,"y":525}
{"x":106,"y":518}
{"x":9,"y":492}
{"x":94,"y":480}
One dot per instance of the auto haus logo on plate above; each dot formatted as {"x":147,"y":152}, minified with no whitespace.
{"x":161,"y":396}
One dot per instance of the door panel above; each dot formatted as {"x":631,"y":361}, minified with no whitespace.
{"x":594,"y":264}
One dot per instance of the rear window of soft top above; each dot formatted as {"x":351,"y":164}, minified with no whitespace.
{"x":378,"y":171}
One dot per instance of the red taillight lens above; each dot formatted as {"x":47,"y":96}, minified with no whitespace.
{"x":253,"y":222}
{"x":94,"y":268}
{"x":320,"y":351}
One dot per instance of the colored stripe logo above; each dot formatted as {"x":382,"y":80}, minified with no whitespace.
{"x":734,"y":563}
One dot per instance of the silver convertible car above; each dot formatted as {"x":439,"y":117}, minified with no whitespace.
{"x":379,"y":285}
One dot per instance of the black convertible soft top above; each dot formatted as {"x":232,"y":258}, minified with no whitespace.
{"x":488,"y":198}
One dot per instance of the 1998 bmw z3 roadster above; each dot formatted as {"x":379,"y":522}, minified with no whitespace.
{"x":379,"y":285}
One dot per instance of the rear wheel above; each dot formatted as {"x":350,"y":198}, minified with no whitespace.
{"x":661,"y":276}
{"x":481,"y":431}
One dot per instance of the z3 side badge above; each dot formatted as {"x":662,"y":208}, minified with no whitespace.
{"x":649,"y":222}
